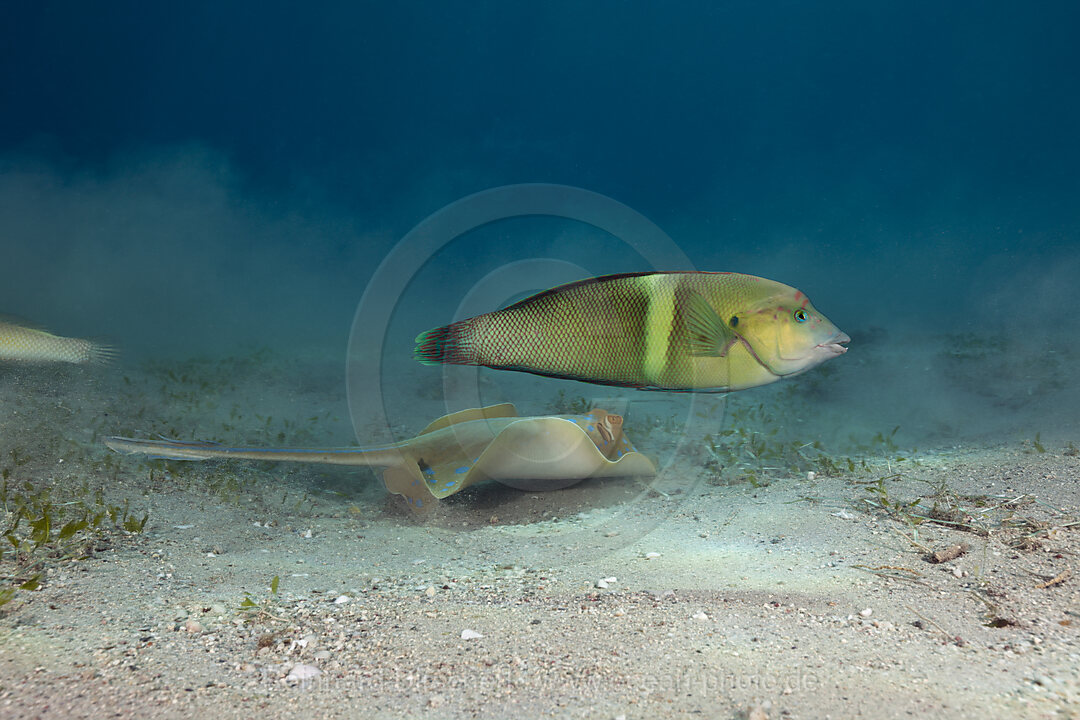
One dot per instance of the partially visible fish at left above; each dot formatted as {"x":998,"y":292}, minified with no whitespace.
{"x":27,"y":345}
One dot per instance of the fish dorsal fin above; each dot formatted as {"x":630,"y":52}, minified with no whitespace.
{"x":708,"y":334}
{"x":502,"y":410}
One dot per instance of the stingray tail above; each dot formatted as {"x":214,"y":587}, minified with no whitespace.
{"x":179,"y":450}
{"x":448,"y":345}
{"x":166,"y":449}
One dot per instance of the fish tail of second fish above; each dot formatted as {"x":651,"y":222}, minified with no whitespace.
{"x":448,"y":345}
{"x":22,"y":344}
{"x":78,"y":351}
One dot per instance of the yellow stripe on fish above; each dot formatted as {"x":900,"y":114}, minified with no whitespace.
{"x":679,"y":331}
{"x":659,"y":321}
{"x":27,"y":345}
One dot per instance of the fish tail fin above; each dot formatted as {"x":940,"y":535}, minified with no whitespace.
{"x":96,"y":353}
{"x":447,"y":345}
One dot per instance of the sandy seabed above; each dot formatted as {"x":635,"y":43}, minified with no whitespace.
{"x":698,"y":594}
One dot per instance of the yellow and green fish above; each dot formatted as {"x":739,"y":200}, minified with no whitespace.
{"x":677,"y":331}
{"x":27,"y":345}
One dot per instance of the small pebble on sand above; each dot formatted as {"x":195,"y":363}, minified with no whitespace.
{"x":757,"y":712}
{"x":470,"y":635}
{"x":866,"y":613}
{"x":302,"y":673}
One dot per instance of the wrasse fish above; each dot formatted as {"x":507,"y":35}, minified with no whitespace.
{"x":23,"y":344}
{"x":679,"y":331}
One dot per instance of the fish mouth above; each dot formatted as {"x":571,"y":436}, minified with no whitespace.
{"x":835,"y":344}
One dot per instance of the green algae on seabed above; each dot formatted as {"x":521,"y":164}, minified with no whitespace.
{"x":44,"y":526}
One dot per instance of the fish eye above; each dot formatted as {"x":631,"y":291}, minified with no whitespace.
{"x":800,"y":316}
{"x":734,"y":321}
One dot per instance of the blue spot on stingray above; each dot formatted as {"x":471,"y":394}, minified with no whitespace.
{"x":431,"y":479}
{"x":462,"y":470}
{"x":451,"y":484}
{"x":620,"y":454}
{"x":591,"y":428}
{"x":419,"y":502}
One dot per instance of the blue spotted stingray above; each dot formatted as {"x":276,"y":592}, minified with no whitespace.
{"x":459,"y":450}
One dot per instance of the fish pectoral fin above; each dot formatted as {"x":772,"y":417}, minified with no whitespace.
{"x":406,"y":480}
{"x":707,"y":334}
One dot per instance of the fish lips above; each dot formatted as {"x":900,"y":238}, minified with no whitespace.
{"x":835,"y":345}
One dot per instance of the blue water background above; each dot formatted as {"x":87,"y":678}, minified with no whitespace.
{"x":196,"y":177}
